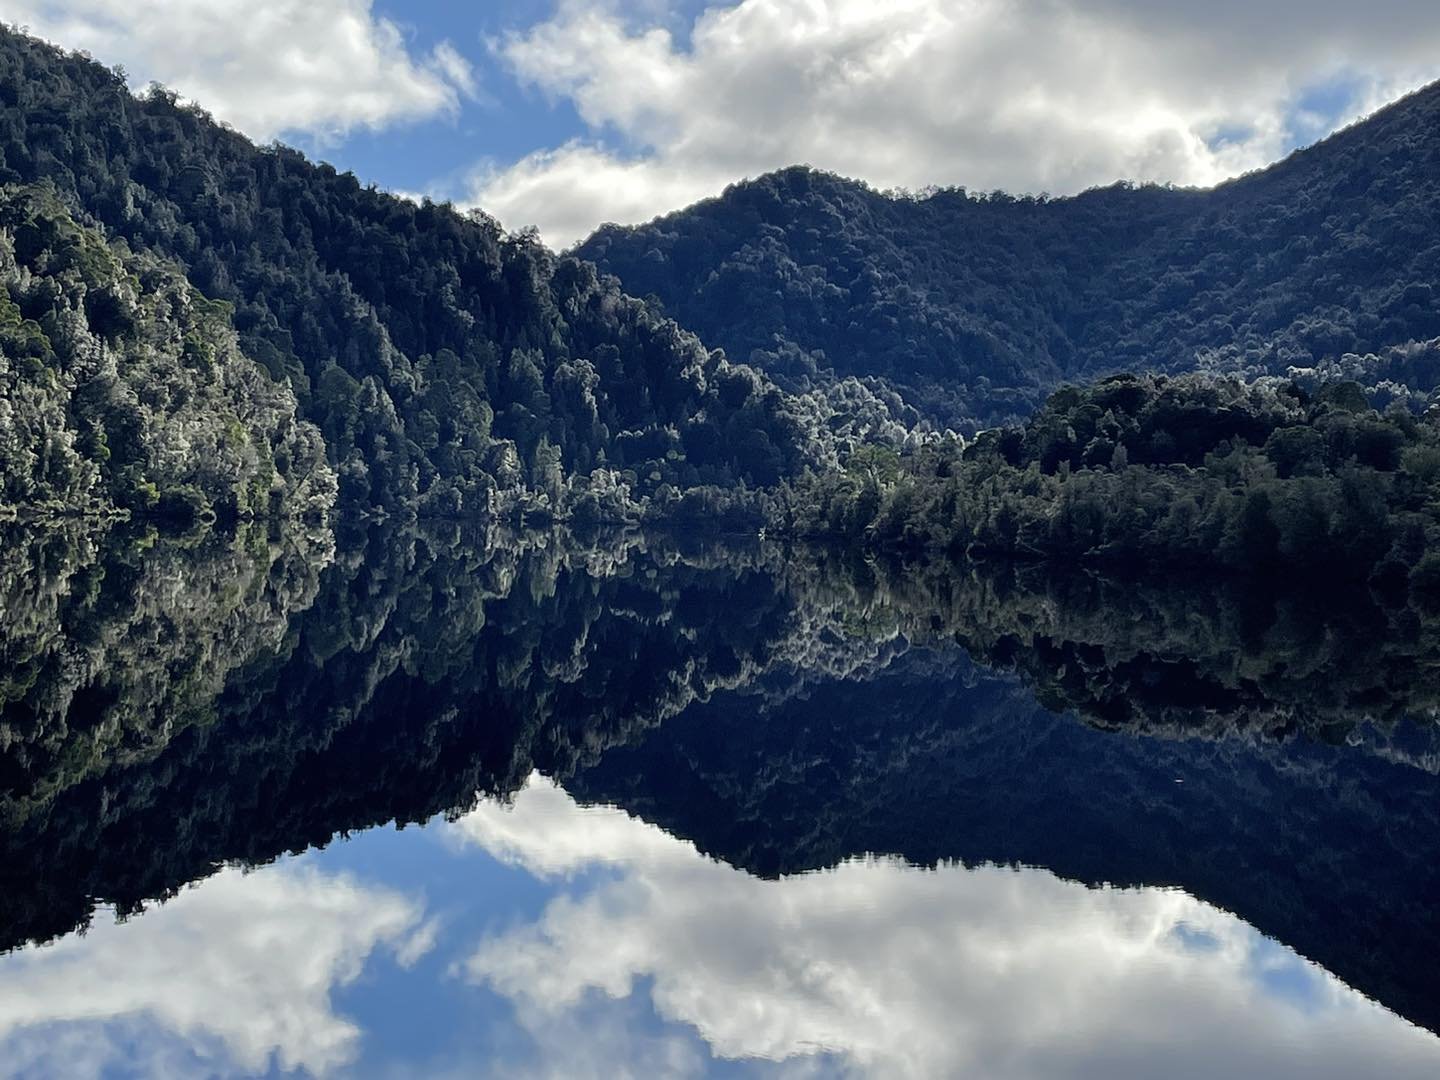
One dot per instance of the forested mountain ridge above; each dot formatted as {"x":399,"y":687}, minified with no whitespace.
{"x":974,"y":307}
{"x":448,"y":365}
{"x":454,"y":369}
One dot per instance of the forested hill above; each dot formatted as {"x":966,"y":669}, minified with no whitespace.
{"x":974,"y":306}
{"x":124,"y":390}
{"x":451,"y":368}
{"x":448,"y":365}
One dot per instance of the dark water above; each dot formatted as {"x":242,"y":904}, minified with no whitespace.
{"x":678,"y":809}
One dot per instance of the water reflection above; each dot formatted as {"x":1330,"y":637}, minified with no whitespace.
{"x":630,"y":953}
{"x":893,"y":971}
{"x":238,"y":970}
{"x":170,"y":706}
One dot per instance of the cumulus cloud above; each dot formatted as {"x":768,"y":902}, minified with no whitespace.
{"x":545,"y":833}
{"x":269,"y":67}
{"x":239,"y":968}
{"x":1024,"y":95}
{"x":568,"y":191}
{"x":899,"y":972}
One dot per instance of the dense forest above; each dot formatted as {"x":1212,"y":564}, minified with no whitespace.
{"x":974,"y":306}
{"x":450,"y":367}
{"x":1190,"y":473}
{"x":123,"y":389}
{"x":156,"y":262}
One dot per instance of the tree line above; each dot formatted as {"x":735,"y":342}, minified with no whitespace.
{"x":452,"y":369}
{"x":1152,"y":473}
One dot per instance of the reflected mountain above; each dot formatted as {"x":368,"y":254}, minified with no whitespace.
{"x":112,"y":643}
{"x":426,"y":669}
{"x":537,"y":937}
{"x":1330,"y":849}
{"x":877,"y":968}
{"x":173,"y":705}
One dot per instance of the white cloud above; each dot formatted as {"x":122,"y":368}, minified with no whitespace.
{"x":1025,"y":95}
{"x":545,"y":833}
{"x":599,"y":1040}
{"x":571,"y":190}
{"x":239,"y":968}
{"x":900,"y":972}
{"x":319,"y":67}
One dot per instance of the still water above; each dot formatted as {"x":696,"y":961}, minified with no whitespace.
{"x":670,"y":809}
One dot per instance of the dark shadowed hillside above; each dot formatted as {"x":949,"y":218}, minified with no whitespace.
{"x":973,"y":306}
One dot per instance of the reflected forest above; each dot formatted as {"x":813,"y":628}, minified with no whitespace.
{"x":177,"y":703}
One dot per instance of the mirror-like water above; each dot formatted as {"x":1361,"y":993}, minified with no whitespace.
{"x":543,"y":937}
{"x":699,"y":810}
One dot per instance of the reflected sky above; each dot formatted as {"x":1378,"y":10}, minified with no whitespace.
{"x":546,"y":939}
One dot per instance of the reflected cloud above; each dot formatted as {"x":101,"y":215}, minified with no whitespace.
{"x":231,"y":975}
{"x":889,"y":970}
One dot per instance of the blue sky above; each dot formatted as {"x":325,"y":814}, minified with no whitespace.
{"x":504,"y":123}
{"x":507,"y":122}
{"x":569,"y":113}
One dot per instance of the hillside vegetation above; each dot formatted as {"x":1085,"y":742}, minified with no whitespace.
{"x":974,"y":306}
{"x":423,"y":361}
{"x":450,"y":367}
{"x":124,"y":389}
{"x":1155,"y":473}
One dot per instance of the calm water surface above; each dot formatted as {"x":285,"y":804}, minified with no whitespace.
{"x":674,"y":810}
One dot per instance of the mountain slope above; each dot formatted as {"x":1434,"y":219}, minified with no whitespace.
{"x":446,"y":363}
{"x":975,"y":306}
{"x":122,"y":388}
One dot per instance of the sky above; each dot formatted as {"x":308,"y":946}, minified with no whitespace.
{"x":565,"y":114}
{"x":540,"y":938}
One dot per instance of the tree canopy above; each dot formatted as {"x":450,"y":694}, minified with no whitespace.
{"x":451,"y":368}
{"x":973,"y":307}
{"x":1143,"y":473}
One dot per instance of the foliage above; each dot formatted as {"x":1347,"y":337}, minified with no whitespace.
{"x":1138,"y":473}
{"x":452,"y":369}
{"x":121,"y":388}
{"x":974,"y":307}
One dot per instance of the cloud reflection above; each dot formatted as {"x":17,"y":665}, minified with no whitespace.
{"x":231,"y":974}
{"x":897,"y":971}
